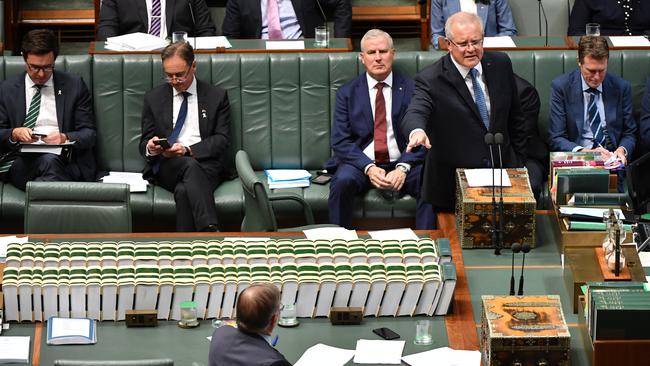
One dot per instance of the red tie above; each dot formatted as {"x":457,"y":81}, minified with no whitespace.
{"x":381,"y":146}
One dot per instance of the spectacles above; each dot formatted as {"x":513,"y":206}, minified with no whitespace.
{"x":461,"y":46}
{"x":179,"y":78}
{"x":37,"y":68}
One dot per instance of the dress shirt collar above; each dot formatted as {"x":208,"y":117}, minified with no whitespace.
{"x":464,"y":70}
{"x":268,"y":338}
{"x":585,"y":87}
{"x":372,"y":82}
{"x":29,"y":83}
{"x":191,"y":89}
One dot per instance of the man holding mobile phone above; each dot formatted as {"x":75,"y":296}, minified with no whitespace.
{"x":185,"y":133}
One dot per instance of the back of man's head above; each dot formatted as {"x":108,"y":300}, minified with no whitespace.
{"x":594,"y":46}
{"x":256,"y":307}
{"x":39,"y":42}
{"x":181,"y":49}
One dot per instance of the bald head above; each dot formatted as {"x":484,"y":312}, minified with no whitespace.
{"x":257,"y":306}
{"x":461,"y":21}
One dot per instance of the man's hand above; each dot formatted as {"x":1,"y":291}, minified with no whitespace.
{"x":55,"y":138}
{"x":152,"y":148}
{"x":176,"y":150}
{"x":22,"y":134}
{"x":397,"y":178}
{"x":603,"y":152}
{"x":620,"y":154}
{"x":377,"y":177}
{"x":418,"y":138}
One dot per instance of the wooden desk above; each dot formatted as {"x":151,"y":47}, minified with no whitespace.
{"x":239,"y":46}
{"x":528,"y":43}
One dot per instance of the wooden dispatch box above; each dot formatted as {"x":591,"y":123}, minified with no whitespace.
{"x":474,"y":211}
{"x":524,"y":330}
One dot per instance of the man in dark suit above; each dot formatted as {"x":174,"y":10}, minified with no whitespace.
{"x":536,"y":151}
{"x":457,"y":100}
{"x":53,"y":106}
{"x":250,"y":344}
{"x":194,"y":117}
{"x":644,"y":123}
{"x":591,"y":110}
{"x":157,"y":17}
{"x":366,"y":139}
{"x":297,"y":18}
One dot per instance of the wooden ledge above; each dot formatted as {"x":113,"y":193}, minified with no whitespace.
{"x":388,"y":13}
{"x":55,"y":17}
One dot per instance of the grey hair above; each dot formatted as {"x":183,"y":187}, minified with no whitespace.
{"x":376,"y":33}
{"x":462,"y":18}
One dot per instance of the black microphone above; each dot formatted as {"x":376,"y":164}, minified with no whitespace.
{"x":525,"y":248}
{"x":516,"y":248}
{"x":498,"y":140}
{"x":189,"y":5}
{"x":540,"y":12}
{"x":489,"y":140}
{"x":322,"y":13}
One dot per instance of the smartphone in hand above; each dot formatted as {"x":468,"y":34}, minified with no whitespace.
{"x":162,"y":143}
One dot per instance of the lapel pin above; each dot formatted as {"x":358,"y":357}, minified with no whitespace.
{"x":59,"y":91}
{"x":204,"y":113}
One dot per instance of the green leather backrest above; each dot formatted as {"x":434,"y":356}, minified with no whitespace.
{"x":78,"y":64}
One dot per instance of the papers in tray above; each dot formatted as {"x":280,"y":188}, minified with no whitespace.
{"x":71,"y":331}
{"x":43,"y":148}
{"x":499,"y":42}
{"x":287,"y":178}
{"x":285,"y":45}
{"x":134,"y":180}
{"x":135,"y":42}
{"x":629,"y":41}
{"x":14,"y":349}
{"x":483,"y":177}
{"x":209,"y":43}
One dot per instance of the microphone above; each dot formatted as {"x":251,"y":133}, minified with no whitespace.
{"x":498,"y":140}
{"x":489,"y":140}
{"x":540,"y":12}
{"x":525,"y":248}
{"x":189,"y":5}
{"x":516,"y":248}
{"x":322,"y":13}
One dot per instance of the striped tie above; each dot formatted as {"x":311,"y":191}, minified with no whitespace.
{"x":30,"y":121}
{"x":594,"y":118}
{"x":154,"y":26}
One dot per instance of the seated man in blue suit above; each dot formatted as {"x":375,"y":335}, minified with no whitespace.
{"x":591,"y":110}
{"x":644,"y":124}
{"x":367,"y":142}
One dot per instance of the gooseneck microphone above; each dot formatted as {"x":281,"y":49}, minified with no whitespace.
{"x":320,"y":7}
{"x":525,"y":248}
{"x":516,"y":248}
{"x":540,"y":12}
{"x":489,"y":140}
{"x":189,"y":5}
{"x":498,"y":140}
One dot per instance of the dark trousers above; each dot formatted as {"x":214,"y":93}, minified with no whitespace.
{"x":193,"y":186}
{"x":41,"y":167}
{"x":348,"y":182}
{"x":536,"y":173}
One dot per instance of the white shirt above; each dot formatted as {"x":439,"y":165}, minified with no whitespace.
{"x":163,"y":18}
{"x":46,"y":122}
{"x":586,"y":135}
{"x":464,"y":73}
{"x":468,"y":6}
{"x":190,"y":133}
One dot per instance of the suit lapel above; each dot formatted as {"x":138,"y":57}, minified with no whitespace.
{"x":169,"y":14}
{"x":168,"y":109}
{"x":59,"y":97}
{"x":297,"y":8}
{"x":577,"y":102}
{"x":203,"y":110}
{"x":362,"y":95}
{"x":21,"y":103}
{"x":454,"y":78}
{"x":610,"y":98}
{"x":142,"y":12}
{"x":398,"y":95}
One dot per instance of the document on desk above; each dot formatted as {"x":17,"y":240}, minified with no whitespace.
{"x":71,"y":331}
{"x":135,"y":42}
{"x":629,"y":41}
{"x":14,"y":349}
{"x":324,"y":355}
{"x":444,"y":356}
{"x":483,"y":177}
{"x":285,"y":45}
{"x":209,"y":43}
{"x":382,"y":352}
{"x":330,"y":233}
{"x":499,"y":42}
{"x":393,"y":234}
{"x":6,"y":240}
{"x":43,"y":148}
{"x":589,"y":211}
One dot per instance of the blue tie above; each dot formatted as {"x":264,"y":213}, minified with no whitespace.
{"x":594,"y":118}
{"x":480,"y":99}
{"x":180,"y":120}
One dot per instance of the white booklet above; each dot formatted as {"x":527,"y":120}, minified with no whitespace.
{"x":71,"y":331}
{"x":14,"y":349}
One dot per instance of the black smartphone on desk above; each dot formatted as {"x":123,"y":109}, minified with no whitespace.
{"x":386,"y":333}
{"x":162,"y":143}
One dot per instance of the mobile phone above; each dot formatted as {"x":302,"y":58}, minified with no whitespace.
{"x":162,"y":143}
{"x":39,"y":134}
{"x":321,"y":179}
{"x":386,"y":333}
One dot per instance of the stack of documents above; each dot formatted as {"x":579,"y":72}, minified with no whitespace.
{"x":287,"y":178}
{"x":135,"y":42}
{"x":14,"y":349}
{"x":71,"y":331}
{"x":134,"y":180}
{"x":209,"y":43}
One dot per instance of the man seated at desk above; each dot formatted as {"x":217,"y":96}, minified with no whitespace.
{"x":157,"y":17}
{"x":284,"y":19}
{"x":250,"y":344}
{"x":366,"y":137}
{"x":48,"y":105}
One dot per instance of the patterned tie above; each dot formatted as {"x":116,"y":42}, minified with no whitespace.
{"x":594,"y":118}
{"x":480,"y":99}
{"x":154,"y":26}
{"x":30,"y":121}
{"x":273,"y":18}
{"x":381,"y":145}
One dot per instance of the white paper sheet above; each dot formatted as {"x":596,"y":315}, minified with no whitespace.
{"x":499,"y":42}
{"x":66,"y":327}
{"x":330,"y":233}
{"x":285,"y":45}
{"x":14,"y":349}
{"x":382,"y":352}
{"x":6,"y":240}
{"x":209,"y":43}
{"x":629,"y":41}
{"x":134,"y":180}
{"x":588,"y":211}
{"x":135,"y":42}
{"x":393,"y":234}
{"x":246,"y":238}
{"x":483,"y":177}
{"x":324,"y":355}
{"x":284,"y":175}
{"x":644,"y":257}
{"x":444,"y":356}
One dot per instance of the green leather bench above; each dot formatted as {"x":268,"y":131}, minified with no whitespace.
{"x":282,"y":107}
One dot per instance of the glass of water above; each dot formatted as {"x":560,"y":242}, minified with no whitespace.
{"x":423,"y":335}
{"x":179,"y":37}
{"x":592,"y":29}
{"x":322,"y":37}
{"x":288,"y":316}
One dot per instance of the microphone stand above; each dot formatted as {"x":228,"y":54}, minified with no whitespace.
{"x":540,"y":11}
{"x":489,"y":140}
{"x":498,"y":140}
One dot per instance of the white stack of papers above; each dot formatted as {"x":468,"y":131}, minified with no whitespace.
{"x":589,"y":211}
{"x":43,"y":148}
{"x":324,"y":355}
{"x":382,"y":352}
{"x":629,"y":41}
{"x":444,"y":356}
{"x":71,"y":331}
{"x":135,"y":42}
{"x":393,"y":234}
{"x":499,"y":42}
{"x":483,"y":177}
{"x":330,"y":233}
{"x":6,"y":240}
{"x":209,"y":43}
{"x":287,"y":178}
{"x":134,"y":180}
{"x":285,"y":45}
{"x":14,"y":349}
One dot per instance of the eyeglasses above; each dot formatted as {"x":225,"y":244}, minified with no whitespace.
{"x":37,"y":68}
{"x":178,"y":78}
{"x":462,"y":46}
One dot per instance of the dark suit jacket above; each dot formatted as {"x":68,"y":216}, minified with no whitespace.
{"x":443,"y":107}
{"x":74,"y":112}
{"x":119,"y":17}
{"x":644,"y":124}
{"x":214,"y":124}
{"x":353,"y":128}
{"x":567,"y":115}
{"x":244,"y":17}
{"x":233,"y":347}
{"x":610,"y":16}
{"x":529,"y":99}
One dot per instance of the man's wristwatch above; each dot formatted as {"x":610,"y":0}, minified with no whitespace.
{"x":403,"y":168}
{"x":188,"y":151}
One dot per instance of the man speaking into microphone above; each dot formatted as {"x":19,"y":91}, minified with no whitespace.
{"x":457,"y":100}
